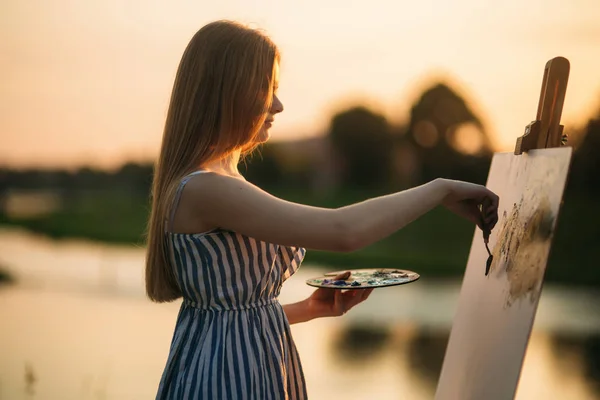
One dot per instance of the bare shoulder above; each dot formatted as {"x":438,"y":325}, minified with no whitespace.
{"x":197,"y":196}
{"x":209,"y":187}
{"x":204,"y":198}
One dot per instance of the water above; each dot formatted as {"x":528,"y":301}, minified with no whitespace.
{"x":77,"y":326}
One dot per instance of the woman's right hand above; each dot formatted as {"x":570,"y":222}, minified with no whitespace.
{"x":474,"y":202}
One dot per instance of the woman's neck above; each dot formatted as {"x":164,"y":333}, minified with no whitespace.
{"x":226,"y":166}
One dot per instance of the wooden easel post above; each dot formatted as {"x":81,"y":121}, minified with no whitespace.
{"x":546,"y":131}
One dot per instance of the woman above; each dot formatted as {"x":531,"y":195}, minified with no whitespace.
{"x":226,"y":246}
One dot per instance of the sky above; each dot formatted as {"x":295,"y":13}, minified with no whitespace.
{"x":88,"y":82}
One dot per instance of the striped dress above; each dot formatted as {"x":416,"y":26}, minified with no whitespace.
{"x":232,"y":339}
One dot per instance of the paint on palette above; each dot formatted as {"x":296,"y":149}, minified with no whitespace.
{"x":365,"y":279}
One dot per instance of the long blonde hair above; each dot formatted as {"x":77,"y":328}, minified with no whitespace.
{"x":222,"y":93}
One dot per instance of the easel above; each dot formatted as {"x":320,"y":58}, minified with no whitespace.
{"x":495,"y":314}
{"x":546,"y":131}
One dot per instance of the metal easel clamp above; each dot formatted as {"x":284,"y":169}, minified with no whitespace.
{"x":546,"y":130}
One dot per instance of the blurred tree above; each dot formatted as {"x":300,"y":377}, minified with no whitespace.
{"x":585,"y":169}
{"x":137,"y":178}
{"x":448,"y":138}
{"x":263,"y":167}
{"x":362,"y":142}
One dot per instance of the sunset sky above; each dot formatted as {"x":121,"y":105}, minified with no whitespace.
{"x":88,"y":82}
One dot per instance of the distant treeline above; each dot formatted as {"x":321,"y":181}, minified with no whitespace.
{"x":361,"y":155}
{"x":362,"y":151}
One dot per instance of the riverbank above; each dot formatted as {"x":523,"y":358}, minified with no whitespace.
{"x":436,"y":245}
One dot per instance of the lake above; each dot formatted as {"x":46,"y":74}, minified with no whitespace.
{"x":77,"y":325}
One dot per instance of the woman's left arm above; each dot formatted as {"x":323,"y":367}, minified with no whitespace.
{"x":326,"y":303}
{"x":297,"y":312}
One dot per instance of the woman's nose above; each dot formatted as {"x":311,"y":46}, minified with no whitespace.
{"x":277,"y":106}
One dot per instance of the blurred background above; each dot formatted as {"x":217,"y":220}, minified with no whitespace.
{"x":379,"y":95}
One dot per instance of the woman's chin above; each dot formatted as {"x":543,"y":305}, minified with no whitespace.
{"x":263,"y":136}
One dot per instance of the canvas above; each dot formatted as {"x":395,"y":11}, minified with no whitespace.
{"x":496,"y":312}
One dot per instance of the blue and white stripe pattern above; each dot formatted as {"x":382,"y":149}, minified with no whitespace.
{"x":232,"y":339}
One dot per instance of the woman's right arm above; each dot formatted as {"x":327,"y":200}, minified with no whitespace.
{"x":237,"y":205}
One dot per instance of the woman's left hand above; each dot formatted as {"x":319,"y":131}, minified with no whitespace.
{"x":335,"y":302}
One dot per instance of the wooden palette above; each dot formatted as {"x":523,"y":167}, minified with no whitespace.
{"x":365,"y":279}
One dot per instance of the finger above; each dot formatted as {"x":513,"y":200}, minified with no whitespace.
{"x":492,"y":216}
{"x":351,"y":301}
{"x":489,"y":205}
{"x":351,"y":294}
{"x":494,"y":222}
{"x":495,"y":200}
{"x":491,"y":211}
{"x":359,"y":298}
{"x":324,"y":293}
{"x":343,"y":276}
{"x":490,"y":201}
{"x":367,"y":294}
{"x":480,"y":223}
{"x":491,"y":225}
{"x":489,"y":194}
{"x":475,"y":215}
{"x":470,"y":210}
{"x":362,"y":297}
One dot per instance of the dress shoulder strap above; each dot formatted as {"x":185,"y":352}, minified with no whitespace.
{"x":182,"y":182}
